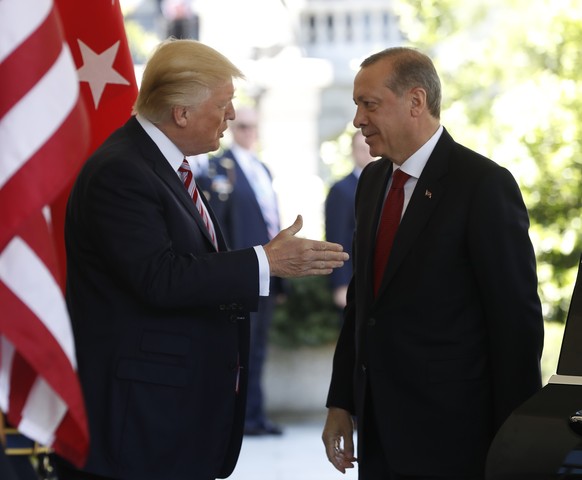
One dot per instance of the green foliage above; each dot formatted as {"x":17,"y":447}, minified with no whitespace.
{"x":308,"y":317}
{"x":512,"y":91}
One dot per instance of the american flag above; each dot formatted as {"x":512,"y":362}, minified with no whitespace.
{"x":56,"y":105}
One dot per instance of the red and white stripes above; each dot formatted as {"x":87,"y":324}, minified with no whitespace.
{"x":188,"y":179}
{"x":44,"y":136}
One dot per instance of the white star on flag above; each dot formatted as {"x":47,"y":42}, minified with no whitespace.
{"x":98,"y":71}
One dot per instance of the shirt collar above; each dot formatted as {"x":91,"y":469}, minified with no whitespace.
{"x":170,"y":152}
{"x":414,"y":165}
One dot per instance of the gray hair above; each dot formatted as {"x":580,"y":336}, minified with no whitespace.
{"x":410,"y":68}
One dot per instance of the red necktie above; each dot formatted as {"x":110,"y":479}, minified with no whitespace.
{"x":391,"y":214}
{"x":188,"y":180}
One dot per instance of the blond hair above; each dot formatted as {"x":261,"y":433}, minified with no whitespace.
{"x":181,"y":73}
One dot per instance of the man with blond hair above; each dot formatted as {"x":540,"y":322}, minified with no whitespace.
{"x":159,"y":306}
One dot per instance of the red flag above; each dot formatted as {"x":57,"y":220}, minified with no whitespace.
{"x":96,"y":36}
{"x":43,"y":139}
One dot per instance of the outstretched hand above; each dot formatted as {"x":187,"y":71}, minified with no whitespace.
{"x":290,"y":256}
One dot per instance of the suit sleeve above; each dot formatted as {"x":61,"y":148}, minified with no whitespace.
{"x":341,"y":390}
{"x":505,"y":267}
{"x":142,"y":232}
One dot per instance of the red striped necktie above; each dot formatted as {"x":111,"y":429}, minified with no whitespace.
{"x":188,"y":179}
{"x":389,"y":222}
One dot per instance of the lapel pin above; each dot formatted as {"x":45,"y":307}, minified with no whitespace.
{"x":428,"y":193}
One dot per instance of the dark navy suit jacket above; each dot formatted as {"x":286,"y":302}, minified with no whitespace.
{"x":340,"y":222}
{"x":160,"y":319}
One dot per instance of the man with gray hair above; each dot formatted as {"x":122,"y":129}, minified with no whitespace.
{"x":443,"y":329}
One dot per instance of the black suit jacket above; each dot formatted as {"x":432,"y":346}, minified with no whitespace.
{"x":160,"y":319}
{"x":452,"y":343}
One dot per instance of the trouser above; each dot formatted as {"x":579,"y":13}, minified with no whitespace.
{"x":374,"y":465}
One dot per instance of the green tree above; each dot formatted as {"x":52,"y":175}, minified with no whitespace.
{"x":512,"y":90}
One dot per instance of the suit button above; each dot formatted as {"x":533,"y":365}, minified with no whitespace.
{"x":236,"y":317}
{"x":371,"y":322}
{"x":364,"y":368}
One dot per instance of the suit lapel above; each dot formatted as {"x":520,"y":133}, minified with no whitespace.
{"x":162,"y":168}
{"x":425,"y":198}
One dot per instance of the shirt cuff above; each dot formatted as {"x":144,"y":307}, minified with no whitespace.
{"x":264,"y":271}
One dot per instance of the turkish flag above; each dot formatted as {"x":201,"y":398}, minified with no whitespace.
{"x":96,"y":36}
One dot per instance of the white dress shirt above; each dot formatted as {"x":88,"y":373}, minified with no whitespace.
{"x":174,"y":157}
{"x":414,"y":165}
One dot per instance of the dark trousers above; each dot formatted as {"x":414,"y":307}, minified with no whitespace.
{"x":260,"y":323}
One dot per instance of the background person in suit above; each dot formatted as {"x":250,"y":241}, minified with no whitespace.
{"x":435,"y":356}
{"x":243,"y":199}
{"x":181,"y":17}
{"x":159,"y":306}
{"x":340,"y":220}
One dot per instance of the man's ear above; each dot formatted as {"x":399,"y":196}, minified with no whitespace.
{"x":180,"y":115}
{"x":417,"y":101}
